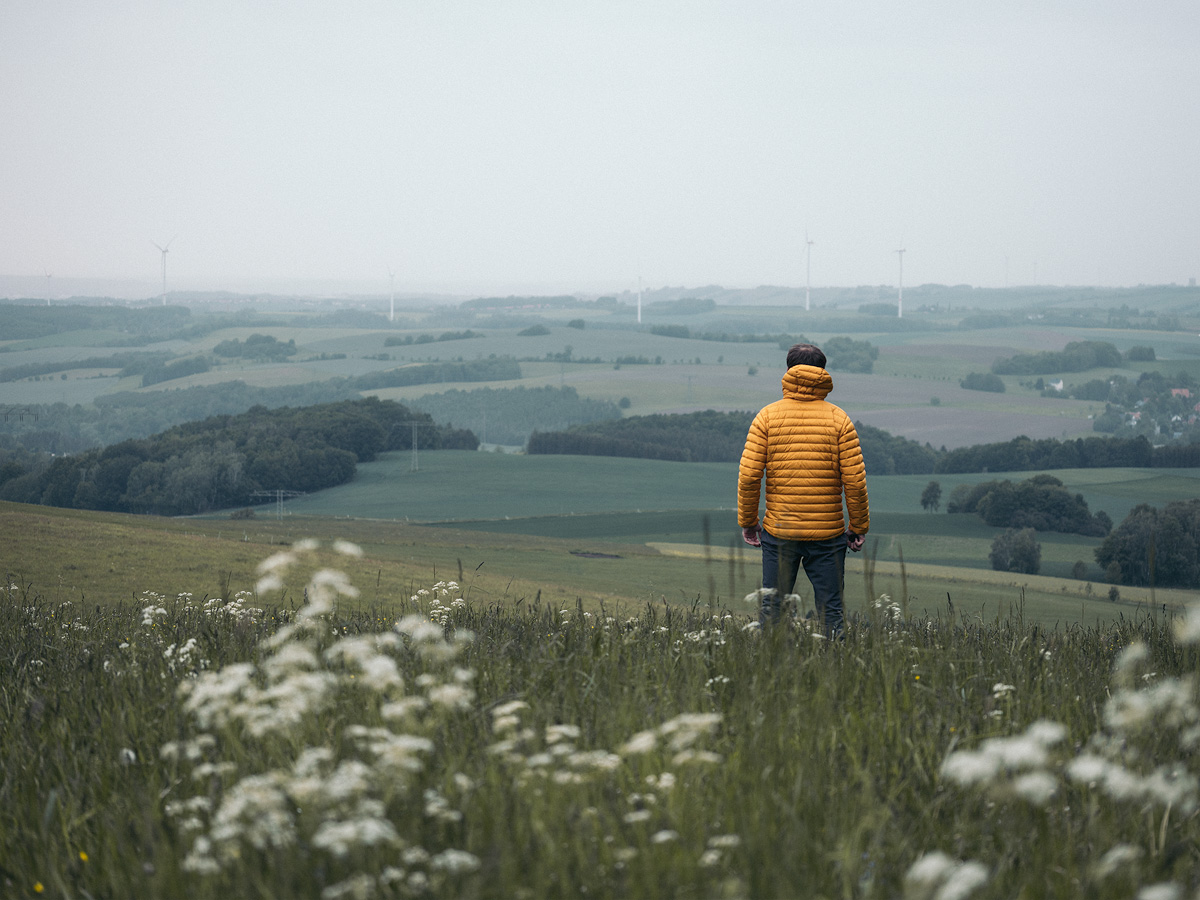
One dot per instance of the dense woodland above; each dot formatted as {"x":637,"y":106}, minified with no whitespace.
{"x":1042,"y":503}
{"x":221,"y":461}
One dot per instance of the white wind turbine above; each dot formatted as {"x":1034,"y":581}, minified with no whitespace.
{"x":392,"y":307}
{"x":163,"y":251}
{"x":807,"y":271}
{"x":900,"y":296}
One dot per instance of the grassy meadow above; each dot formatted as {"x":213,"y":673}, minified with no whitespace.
{"x":440,"y":746}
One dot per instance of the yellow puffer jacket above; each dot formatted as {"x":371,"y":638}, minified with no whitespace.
{"x":809,"y":450}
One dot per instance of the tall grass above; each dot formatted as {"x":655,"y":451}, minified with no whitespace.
{"x":445,"y":748}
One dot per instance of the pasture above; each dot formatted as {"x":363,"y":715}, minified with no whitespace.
{"x":913,"y":367}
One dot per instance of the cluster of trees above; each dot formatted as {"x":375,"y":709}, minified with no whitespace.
{"x":221,"y":461}
{"x":1077,"y":356}
{"x":22,"y":322}
{"x":983,"y":381}
{"x":162,"y":370}
{"x":257,"y":347}
{"x":845,"y":354}
{"x":408,"y":339}
{"x":1016,"y":550}
{"x":692,"y":437}
{"x":887,"y":454}
{"x":492,"y":369}
{"x":1155,"y":547}
{"x":511,"y":415}
{"x":1022,"y":454}
{"x":1042,"y":503}
{"x":711,"y":436}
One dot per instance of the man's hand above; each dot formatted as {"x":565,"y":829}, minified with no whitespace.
{"x":750,"y":536}
{"x":854,"y":542}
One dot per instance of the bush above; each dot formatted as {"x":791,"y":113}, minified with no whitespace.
{"x":533,"y":331}
{"x":1016,"y":551}
{"x":977,"y":381}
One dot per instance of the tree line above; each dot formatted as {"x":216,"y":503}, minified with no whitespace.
{"x":719,"y":437}
{"x":1077,"y":356}
{"x":221,"y":461}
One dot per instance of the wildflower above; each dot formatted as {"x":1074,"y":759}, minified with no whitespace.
{"x":710,"y":858}
{"x":642,"y":742}
{"x":339,"y":838}
{"x":1165,"y":890}
{"x":938,"y":877}
{"x":1036,"y":787}
{"x":662,"y":782}
{"x":1187,"y":626}
{"x":1001,"y":690}
{"x":638,"y":815}
{"x":346,"y":548}
{"x":724,"y":841}
{"x":357,"y":887}
{"x":665,"y":836}
{"x":1116,"y":858}
{"x":455,"y":862}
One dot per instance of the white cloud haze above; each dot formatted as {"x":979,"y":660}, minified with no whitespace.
{"x":571,"y":146}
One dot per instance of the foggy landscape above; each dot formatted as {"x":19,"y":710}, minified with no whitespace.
{"x":373,"y":383}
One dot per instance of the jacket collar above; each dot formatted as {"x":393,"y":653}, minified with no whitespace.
{"x":806,"y":383}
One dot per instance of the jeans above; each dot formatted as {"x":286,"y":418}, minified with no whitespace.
{"x":824,"y":564}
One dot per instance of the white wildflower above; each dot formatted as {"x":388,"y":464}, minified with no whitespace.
{"x":642,"y":742}
{"x":638,"y":815}
{"x":346,"y":548}
{"x":1187,"y":626}
{"x":356,"y":887}
{"x":455,"y":862}
{"x":664,"y":837}
{"x":1036,"y":787}
{"x":340,"y":837}
{"x":1116,"y":858}
{"x":1164,"y":890}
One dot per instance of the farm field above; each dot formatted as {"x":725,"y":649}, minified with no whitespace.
{"x":913,"y":367}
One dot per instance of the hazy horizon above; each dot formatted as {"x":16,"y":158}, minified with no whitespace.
{"x":545,"y":147}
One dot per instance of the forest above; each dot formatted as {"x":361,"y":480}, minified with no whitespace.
{"x":222,"y":461}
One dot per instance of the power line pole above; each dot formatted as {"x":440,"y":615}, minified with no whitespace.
{"x":415,"y":423}
{"x":279,"y":494}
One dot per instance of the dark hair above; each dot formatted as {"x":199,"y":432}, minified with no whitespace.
{"x":806,"y":355}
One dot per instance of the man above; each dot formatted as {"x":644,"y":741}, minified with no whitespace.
{"x":809,"y":451}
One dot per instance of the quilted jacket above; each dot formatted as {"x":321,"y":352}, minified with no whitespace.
{"x":809,"y":451}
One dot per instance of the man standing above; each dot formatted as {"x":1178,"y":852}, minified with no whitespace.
{"x":809,"y":451}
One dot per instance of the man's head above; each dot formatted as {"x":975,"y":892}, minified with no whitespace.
{"x":806,"y":355}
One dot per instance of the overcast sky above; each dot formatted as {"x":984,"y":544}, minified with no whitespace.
{"x":560,"y":146}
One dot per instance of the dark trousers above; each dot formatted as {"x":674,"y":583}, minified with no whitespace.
{"x":825,"y":565}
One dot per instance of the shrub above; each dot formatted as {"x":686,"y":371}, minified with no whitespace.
{"x":1016,"y":551}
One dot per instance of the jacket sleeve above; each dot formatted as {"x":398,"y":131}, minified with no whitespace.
{"x":854,"y":479}
{"x":750,"y":472}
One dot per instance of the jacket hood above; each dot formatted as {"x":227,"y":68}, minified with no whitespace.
{"x":806,"y":383}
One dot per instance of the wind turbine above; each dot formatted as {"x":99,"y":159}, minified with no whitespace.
{"x":639,"y":299}
{"x":392,"y":308}
{"x":164,"y":250}
{"x":49,"y":275}
{"x":807,"y":271}
{"x":900,"y":297}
